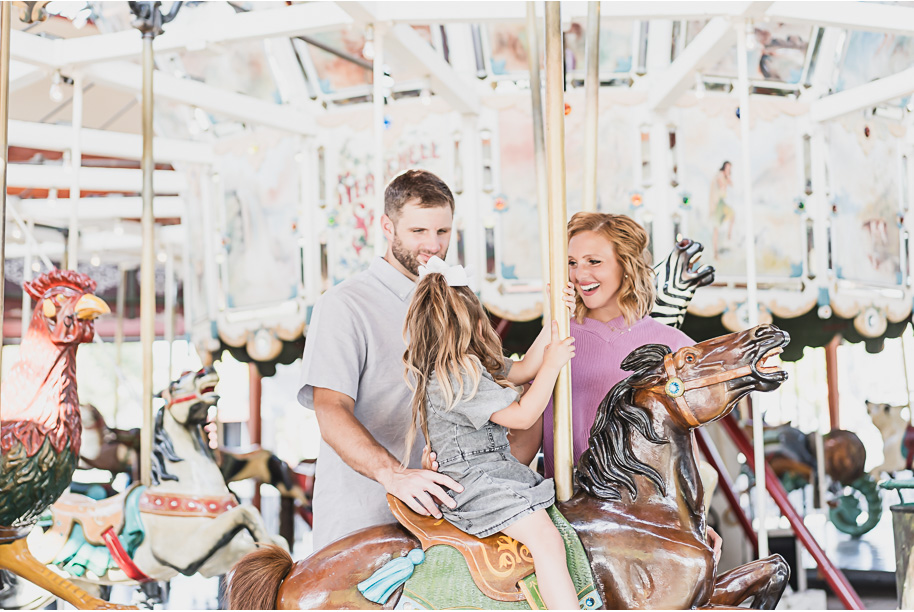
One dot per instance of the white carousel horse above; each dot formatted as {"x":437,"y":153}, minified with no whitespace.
{"x":187,"y":522}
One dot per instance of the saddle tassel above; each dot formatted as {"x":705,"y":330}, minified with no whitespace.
{"x":380,"y":585}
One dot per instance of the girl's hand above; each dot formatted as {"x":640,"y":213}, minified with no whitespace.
{"x":558,"y":352}
{"x":568,"y":295}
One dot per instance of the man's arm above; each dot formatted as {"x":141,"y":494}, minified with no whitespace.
{"x":357,"y":447}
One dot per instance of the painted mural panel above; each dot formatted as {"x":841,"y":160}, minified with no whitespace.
{"x":415,"y":137}
{"x":259,"y":176}
{"x":871,"y":55}
{"x":864,"y":170}
{"x":514,"y":206}
{"x":777,"y":52}
{"x":711,"y":179}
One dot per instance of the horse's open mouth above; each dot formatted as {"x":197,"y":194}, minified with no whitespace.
{"x":768,"y":366}
{"x":692,"y":272}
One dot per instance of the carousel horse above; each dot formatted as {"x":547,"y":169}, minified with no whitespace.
{"x":187,"y":522}
{"x":897,"y":437}
{"x":108,"y":448}
{"x":791,"y":454}
{"x":637,"y":512}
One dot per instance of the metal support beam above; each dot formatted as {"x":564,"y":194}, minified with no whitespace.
{"x":5,"y":22}
{"x":563,"y":458}
{"x":592,"y":103}
{"x":76,"y":158}
{"x":377,"y":132}
{"x":539,"y":148}
{"x":864,"y":96}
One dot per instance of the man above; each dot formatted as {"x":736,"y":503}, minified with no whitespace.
{"x":353,"y":371}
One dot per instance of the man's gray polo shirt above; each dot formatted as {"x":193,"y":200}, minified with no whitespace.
{"x":355,"y":346}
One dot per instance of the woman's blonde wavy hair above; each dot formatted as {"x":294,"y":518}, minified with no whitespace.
{"x":629,"y":243}
{"x":447,"y":332}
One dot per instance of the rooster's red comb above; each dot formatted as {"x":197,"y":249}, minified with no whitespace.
{"x":59,"y":278}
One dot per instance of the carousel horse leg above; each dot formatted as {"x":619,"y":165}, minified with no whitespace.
{"x":763,"y":580}
{"x":190,"y":554}
{"x":15,"y":556}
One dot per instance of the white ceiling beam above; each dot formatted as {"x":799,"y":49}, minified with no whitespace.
{"x":34,"y":50}
{"x":53,"y":211}
{"x":52,"y":137}
{"x":37,"y":176}
{"x":298,"y":20}
{"x":864,"y":96}
{"x":447,"y":12}
{"x":405,"y":43}
{"x":23,"y":75}
{"x":869,"y":16}
{"x":443,"y":79}
{"x":712,"y":42}
{"x":128,"y":77}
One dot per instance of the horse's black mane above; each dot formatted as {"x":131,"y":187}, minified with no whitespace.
{"x":162,"y":448}
{"x":609,"y":464}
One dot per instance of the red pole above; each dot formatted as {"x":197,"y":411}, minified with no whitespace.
{"x":831,"y":376}
{"x":254,"y":420}
{"x":726,"y":485}
{"x":833,"y":576}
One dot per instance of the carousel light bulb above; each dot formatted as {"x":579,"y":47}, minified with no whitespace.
{"x":162,"y":256}
{"x":56,"y":91}
{"x":16,"y":233}
{"x":95,"y":260}
{"x":368,"y":47}
{"x":36,"y":267}
{"x":119,"y":229}
{"x":751,"y":40}
{"x":425,"y":96}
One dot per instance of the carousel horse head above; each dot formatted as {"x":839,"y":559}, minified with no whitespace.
{"x":694,"y":386}
{"x":702,"y":383}
{"x":189,"y":398}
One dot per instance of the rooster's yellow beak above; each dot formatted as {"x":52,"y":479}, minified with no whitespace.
{"x":90,"y":307}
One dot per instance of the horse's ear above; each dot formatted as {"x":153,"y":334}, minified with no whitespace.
{"x":645,"y":357}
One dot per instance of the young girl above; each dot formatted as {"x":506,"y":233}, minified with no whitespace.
{"x":464,"y":401}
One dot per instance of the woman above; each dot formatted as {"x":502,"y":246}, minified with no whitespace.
{"x":614,"y":295}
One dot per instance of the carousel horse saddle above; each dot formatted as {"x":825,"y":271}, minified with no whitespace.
{"x":92,"y":535}
{"x":500,"y":567}
{"x":95,"y":516}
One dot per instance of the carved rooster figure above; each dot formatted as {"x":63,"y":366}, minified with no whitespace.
{"x":39,"y":421}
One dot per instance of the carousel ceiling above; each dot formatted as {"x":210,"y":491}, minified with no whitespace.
{"x":242,"y":87}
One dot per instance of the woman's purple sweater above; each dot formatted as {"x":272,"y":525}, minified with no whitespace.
{"x":596,"y":368}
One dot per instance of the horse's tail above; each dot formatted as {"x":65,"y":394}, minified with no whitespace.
{"x":255,"y":580}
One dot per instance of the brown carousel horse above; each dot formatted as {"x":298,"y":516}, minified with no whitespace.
{"x":638,"y":511}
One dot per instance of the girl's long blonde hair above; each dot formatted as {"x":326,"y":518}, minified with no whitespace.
{"x":448,"y":332}
{"x":629,"y":243}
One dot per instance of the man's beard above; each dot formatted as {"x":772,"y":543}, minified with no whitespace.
{"x":405,"y":257}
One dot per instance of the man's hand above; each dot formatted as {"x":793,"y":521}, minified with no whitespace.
{"x":715,"y":542}
{"x":419,"y":489}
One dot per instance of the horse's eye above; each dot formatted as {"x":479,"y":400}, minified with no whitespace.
{"x":690,"y":358}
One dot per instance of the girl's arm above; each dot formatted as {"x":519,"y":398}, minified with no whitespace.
{"x":525,"y":443}
{"x":524,"y":413}
{"x":524,"y":370}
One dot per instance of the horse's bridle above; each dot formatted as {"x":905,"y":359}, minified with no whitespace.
{"x":675,"y":387}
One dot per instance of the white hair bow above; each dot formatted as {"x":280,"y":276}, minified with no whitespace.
{"x":456,"y":276}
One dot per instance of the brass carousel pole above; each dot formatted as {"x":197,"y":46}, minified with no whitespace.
{"x":539,"y":147}
{"x":558,"y":246}
{"x":149,"y":21}
{"x":591,"y":106}
{"x":5,"y":21}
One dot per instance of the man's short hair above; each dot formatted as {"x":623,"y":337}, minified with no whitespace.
{"x":430,"y":190}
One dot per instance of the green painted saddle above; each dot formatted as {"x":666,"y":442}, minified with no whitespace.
{"x":460,"y":571}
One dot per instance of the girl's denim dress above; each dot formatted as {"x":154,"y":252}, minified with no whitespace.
{"x":498,"y":489}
